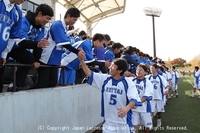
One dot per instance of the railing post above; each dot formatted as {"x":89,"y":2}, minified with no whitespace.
{"x":14,"y":77}
{"x":63,"y":75}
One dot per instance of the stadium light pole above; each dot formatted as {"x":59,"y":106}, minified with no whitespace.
{"x":153,"y":12}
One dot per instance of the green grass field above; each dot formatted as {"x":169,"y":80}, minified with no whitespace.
{"x":182,"y":114}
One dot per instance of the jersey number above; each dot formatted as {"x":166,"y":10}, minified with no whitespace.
{"x":155,"y":86}
{"x":138,"y":91}
{"x":113,"y":100}
{"x":5,"y":34}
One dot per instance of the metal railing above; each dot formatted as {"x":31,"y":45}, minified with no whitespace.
{"x":30,"y":65}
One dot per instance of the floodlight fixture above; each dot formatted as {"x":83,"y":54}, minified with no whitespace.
{"x":151,"y":11}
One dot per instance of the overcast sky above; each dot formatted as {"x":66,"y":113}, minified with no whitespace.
{"x":177,"y":29}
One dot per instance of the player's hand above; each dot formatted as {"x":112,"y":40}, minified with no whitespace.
{"x":107,"y":63}
{"x":36,"y":65}
{"x":43,"y":43}
{"x":134,"y":107}
{"x":122,"y":112}
{"x":3,"y":61}
{"x":81,"y":54}
{"x":166,"y":91}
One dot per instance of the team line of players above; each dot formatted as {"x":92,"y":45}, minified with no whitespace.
{"x":128,"y":102}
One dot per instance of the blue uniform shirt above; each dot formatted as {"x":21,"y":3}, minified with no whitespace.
{"x":9,"y":20}
{"x":57,"y":37}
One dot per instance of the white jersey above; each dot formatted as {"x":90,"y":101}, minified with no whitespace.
{"x":159,"y":85}
{"x":169,"y":76}
{"x":115,"y":94}
{"x":175,"y":77}
{"x":145,"y":90}
{"x":196,"y":77}
{"x":164,"y":75}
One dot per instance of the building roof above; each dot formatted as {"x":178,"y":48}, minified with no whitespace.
{"x":95,"y":10}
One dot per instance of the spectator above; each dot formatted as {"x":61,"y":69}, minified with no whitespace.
{"x":12,"y":13}
{"x":100,"y":55}
{"x":71,"y":61}
{"x":81,"y":36}
{"x":47,"y":77}
{"x":111,"y":51}
{"x":131,"y":62}
{"x":33,"y":30}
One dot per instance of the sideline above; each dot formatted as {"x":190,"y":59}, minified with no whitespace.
{"x":189,"y":80}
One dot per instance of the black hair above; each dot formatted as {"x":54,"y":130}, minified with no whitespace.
{"x":107,"y":37}
{"x":196,"y":67}
{"x":129,"y":50}
{"x":73,"y":12}
{"x":98,"y":36}
{"x":121,"y":65}
{"x":143,"y":66}
{"x":161,"y":68}
{"x":81,"y":33}
{"x":155,"y":66}
{"x":45,"y":10}
{"x":71,"y":27}
{"x":117,"y":45}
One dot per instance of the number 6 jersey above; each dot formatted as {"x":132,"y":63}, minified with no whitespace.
{"x":10,"y":14}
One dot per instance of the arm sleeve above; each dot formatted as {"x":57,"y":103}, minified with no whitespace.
{"x":71,"y":48}
{"x":37,"y":53}
{"x":97,"y":80}
{"x":148,"y":90}
{"x":28,"y":44}
{"x":5,"y":52}
{"x":165,"y":83}
{"x":59,"y":35}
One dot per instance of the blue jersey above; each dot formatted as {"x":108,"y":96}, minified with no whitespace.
{"x":109,"y":55}
{"x":72,"y":40}
{"x":78,"y":38}
{"x":99,"y":53}
{"x":28,"y":31}
{"x":141,"y":60}
{"x":57,"y":37}
{"x":148,"y":62}
{"x":134,"y":56}
{"x":71,"y":60}
{"x":9,"y":17}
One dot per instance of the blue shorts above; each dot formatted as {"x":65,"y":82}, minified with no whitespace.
{"x":68,"y":78}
